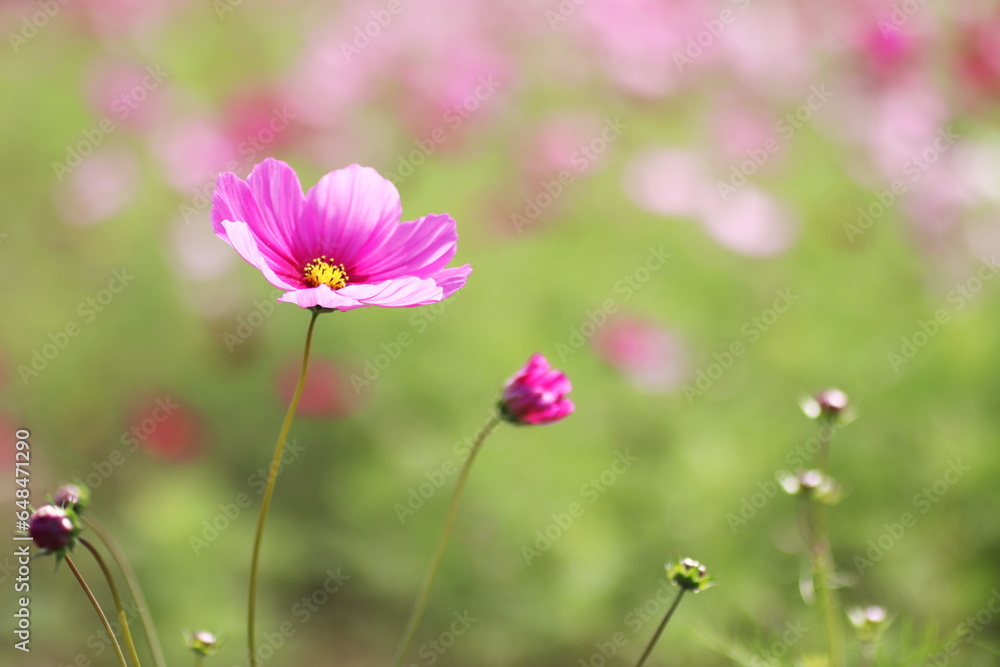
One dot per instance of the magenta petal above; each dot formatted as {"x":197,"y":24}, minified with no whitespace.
{"x":536,"y":394}
{"x":243,"y":241}
{"x":234,"y":200}
{"x":451,"y":280}
{"x":278,"y":192}
{"x":347,"y":213}
{"x":397,"y":293}
{"x":416,"y":248}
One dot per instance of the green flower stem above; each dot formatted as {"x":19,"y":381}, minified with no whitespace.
{"x":823,"y":565}
{"x":133,"y":586}
{"x":823,"y":569}
{"x":659,"y":630}
{"x":122,"y":618}
{"x":269,"y":491}
{"x":421,"y":602}
{"x":97,"y":607}
{"x":827,"y":427}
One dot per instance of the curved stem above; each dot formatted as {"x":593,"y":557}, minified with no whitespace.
{"x":122,"y":618}
{"x":421,"y":602}
{"x":133,"y":586}
{"x":272,"y":476}
{"x":97,"y":607}
{"x":659,"y":630}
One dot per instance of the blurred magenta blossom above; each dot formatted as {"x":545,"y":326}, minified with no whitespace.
{"x":342,"y":245}
{"x":677,"y":183}
{"x":100,"y":188}
{"x":536,"y":394}
{"x":646,"y":353}
{"x":166,"y":430}
{"x":326,"y":394}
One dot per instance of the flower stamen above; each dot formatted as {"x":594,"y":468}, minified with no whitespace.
{"x":321,"y":271}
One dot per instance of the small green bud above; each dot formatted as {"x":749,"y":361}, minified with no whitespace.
{"x":203,"y":643}
{"x":689,"y":574}
{"x":869,"y":622}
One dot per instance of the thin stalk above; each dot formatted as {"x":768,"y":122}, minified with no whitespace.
{"x":272,"y":476}
{"x":100,"y":612}
{"x":823,"y":569}
{"x":134,"y":588}
{"x":122,"y":618}
{"x":421,"y":602}
{"x":823,"y":565}
{"x":659,"y":630}
{"x":827,"y":428}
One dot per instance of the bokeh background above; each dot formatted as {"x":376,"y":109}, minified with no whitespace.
{"x":702,"y":212}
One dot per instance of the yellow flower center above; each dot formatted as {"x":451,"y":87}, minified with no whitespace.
{"x":321,"y":271}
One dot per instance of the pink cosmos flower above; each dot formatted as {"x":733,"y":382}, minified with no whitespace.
{"x":536,"y":394}
{"x":340,"y":246}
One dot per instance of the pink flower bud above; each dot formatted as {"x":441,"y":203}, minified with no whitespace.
{"x":51,"y":528}
{"x":536,"y":394}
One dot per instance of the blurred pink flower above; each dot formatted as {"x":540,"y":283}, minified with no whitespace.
{"x":342,"y":245}
{"x":784,"y":62}
{"x":196,"y":253}
{"x":99,"y":188}
{"x":140,"y":19}
{"x":456,"y":88}
{"x":129,"y":93}
{"x":326,"y":392}
{"x":741,"y":130}
{"x":167,"y":430}
{"x":896,"y":125}
{"x":647,"y":354}
{"x":536,"y":394}
{"x":639,"y":42}
{"x":751,"y":222}
{"x":888,"y":50}
{"x":330,"y":80}
{"x":563,"y":143}
{"x":979,"y":55}
{"x":669,"y":181}
{"x":192,"y":151}
{"x":255,"y":119}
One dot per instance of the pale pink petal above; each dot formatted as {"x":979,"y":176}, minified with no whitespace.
{"x":347,"y":214}
{"x":451,"y":280}
{"x":278,"y":192}
{"x":233,"y":200}
{"x":321,"y":296}
{"x":396,"y":293}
